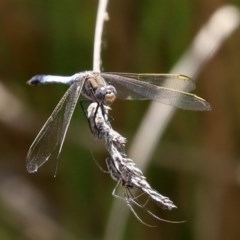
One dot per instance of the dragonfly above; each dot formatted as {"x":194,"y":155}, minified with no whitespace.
{"x":104,"y":88}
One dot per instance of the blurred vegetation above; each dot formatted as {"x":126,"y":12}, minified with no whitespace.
{"x":197,"y":164}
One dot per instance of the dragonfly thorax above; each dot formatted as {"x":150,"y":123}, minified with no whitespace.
{"x":96,"y":89}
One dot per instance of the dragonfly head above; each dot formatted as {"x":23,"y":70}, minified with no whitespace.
{"x":106,"y":94}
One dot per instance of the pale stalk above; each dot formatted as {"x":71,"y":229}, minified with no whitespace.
{"x":207,"y":42}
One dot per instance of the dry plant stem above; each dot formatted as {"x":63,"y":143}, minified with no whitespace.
{"x":101,"y":17}
{"x":202,"y":49}
{"x":121,"y":168}
{"x":206,"y":43}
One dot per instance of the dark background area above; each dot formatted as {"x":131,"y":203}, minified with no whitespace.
{"x":197,"y":163}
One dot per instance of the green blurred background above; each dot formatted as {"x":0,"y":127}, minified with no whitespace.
{"x":197,"y":162}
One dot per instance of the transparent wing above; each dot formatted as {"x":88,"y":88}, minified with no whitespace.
{"x":173,"y":81}
{"x":165,"y":88}
{"x":52,"y":135}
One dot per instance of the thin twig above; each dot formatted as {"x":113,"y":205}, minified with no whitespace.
{"x":102,"y":16}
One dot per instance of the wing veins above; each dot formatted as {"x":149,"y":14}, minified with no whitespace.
{"x":169,"y":80}
{"x":143,"y":90}
{"x":53,"y":132}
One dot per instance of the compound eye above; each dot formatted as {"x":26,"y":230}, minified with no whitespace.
{"x":112,"y":89}
{"x":106,"y":95}
{"x":100,"y":93}
{"x":110,"y":95}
